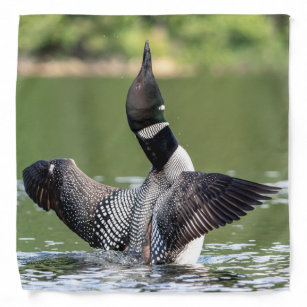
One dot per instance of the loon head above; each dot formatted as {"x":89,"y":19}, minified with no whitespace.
{"x":144,"y":105}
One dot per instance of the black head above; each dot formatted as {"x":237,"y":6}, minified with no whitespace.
{"x":144,"y":105}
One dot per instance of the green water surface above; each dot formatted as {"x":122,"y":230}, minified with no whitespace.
{"x":236,"y":125}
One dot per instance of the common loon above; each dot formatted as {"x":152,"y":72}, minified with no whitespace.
{"x":165,"y":219}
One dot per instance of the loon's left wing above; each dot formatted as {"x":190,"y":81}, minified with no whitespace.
{"x":196,"y":204}
{"x":98,"y":213}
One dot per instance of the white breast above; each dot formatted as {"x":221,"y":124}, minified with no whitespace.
{"x":179,"y":162}
{"x":191,"y":252}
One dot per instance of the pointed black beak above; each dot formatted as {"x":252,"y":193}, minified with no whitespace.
{"x":146,"y":65}
{"x":144,"y":100}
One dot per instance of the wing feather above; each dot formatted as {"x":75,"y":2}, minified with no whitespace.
{"x":98,"y":213}
{"x":198,"y":202}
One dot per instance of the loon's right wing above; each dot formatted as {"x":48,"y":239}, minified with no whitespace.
{"x":196,"y":204}
{"x":98,"y":213}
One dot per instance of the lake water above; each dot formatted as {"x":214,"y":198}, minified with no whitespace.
{"x":230,"y":124}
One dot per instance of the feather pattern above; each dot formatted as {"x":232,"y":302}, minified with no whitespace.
{"x":196,"y":204}
{"x":98,"y":213}
{"x":161,"y":220}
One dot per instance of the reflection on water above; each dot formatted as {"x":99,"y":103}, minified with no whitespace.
{"x":238,"y":268}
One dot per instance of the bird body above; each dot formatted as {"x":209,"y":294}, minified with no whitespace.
{"x":165,"y":219}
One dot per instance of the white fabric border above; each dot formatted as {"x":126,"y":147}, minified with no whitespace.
{"x":10,"y":289}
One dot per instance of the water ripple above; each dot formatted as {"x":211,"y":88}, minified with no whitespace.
{"x":240,"y":270}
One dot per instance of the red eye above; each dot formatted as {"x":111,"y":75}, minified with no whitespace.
{"x":138,"y":86}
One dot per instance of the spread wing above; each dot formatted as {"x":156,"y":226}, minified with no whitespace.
{"x":98,"y":213}
{"x":198,"y":203}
